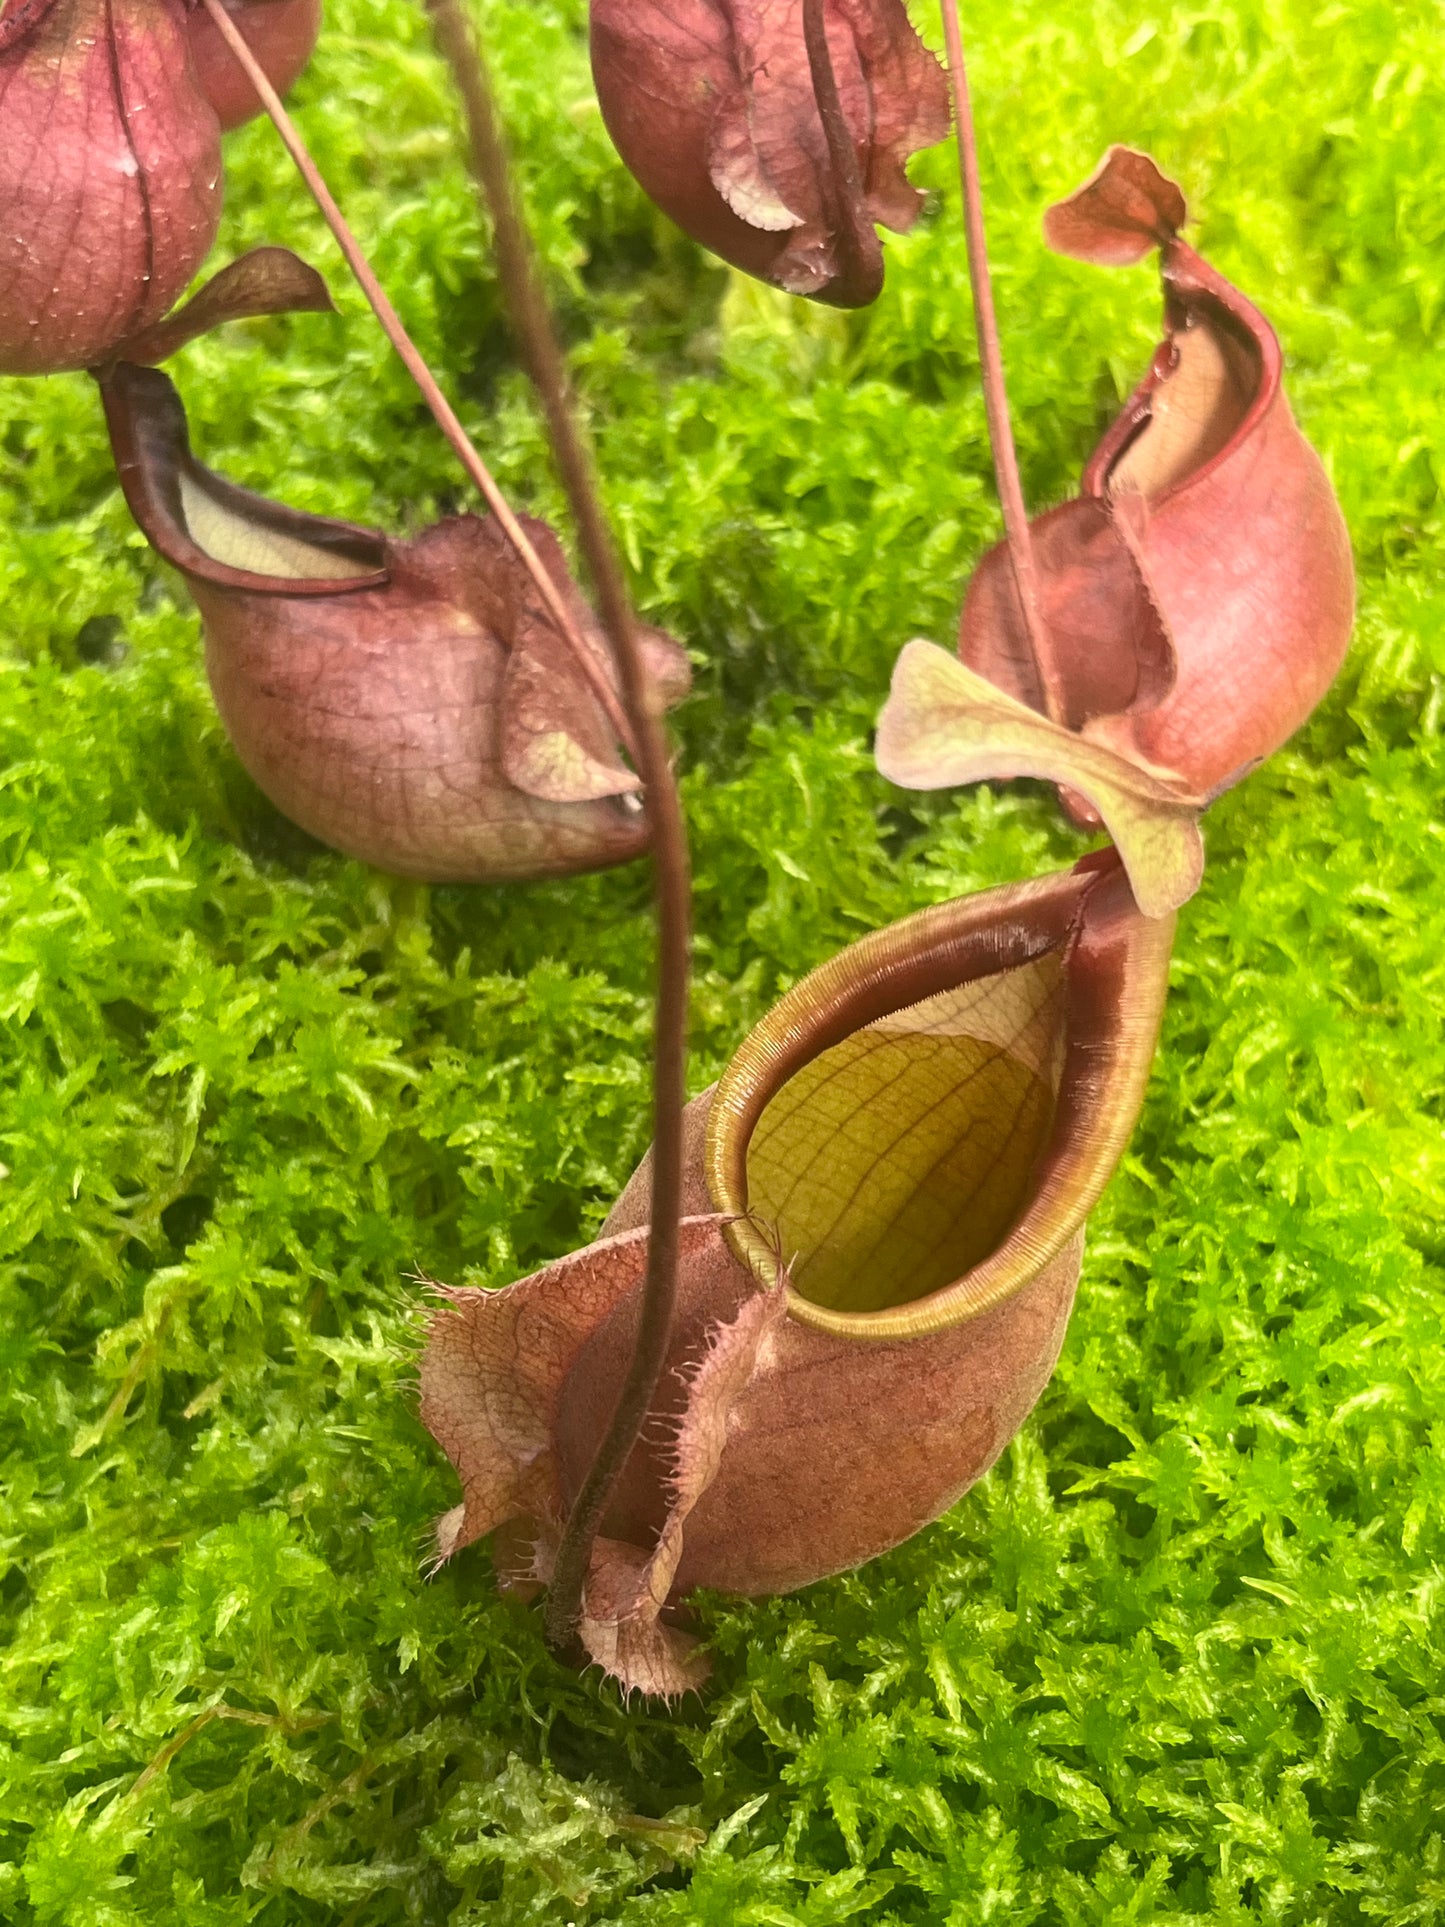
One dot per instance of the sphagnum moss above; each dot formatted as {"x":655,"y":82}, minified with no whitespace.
{"x":1180,"y":1657}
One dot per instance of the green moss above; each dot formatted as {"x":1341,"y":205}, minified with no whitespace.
{"x":1179,"y":1658}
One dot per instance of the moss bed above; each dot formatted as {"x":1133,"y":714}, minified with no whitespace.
{"x":1179,"y":1657}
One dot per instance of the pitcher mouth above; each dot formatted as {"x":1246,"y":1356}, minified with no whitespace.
{"x":925,"y":1121}
{"x":213,"y":530}
{"x":1219,"y":346}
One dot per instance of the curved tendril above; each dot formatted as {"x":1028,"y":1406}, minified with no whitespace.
{"x":532,"y":324}
{"x":995,"y":392}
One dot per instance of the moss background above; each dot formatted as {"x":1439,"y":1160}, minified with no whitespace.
{"x":1179,"y":1658}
